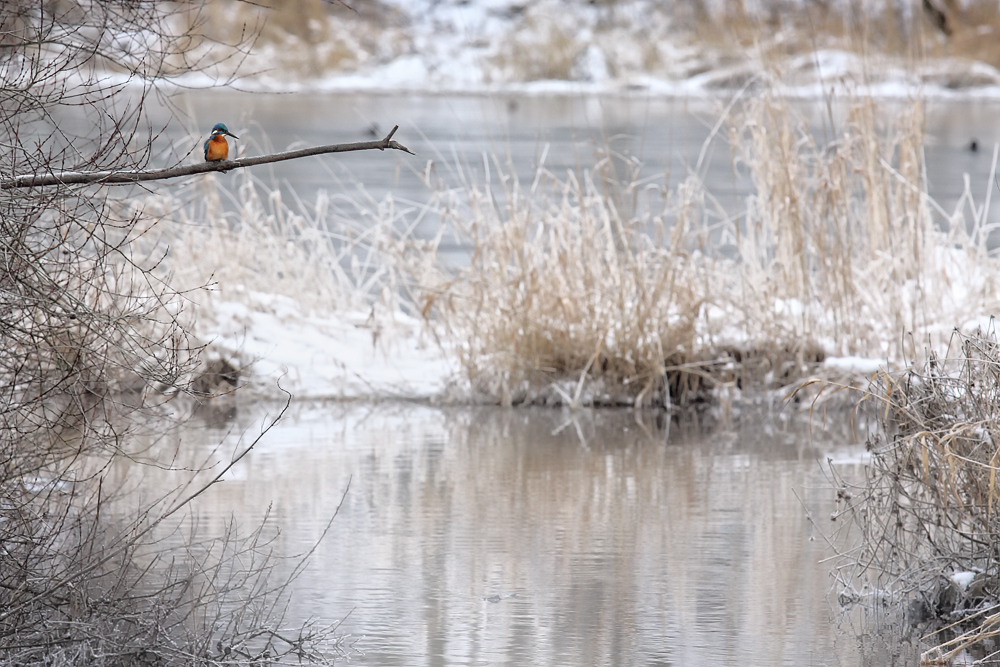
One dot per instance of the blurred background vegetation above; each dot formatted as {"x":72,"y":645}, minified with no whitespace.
{"x":522,"y":41}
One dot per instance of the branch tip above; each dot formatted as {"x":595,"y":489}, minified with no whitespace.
{"x":400,"y":147}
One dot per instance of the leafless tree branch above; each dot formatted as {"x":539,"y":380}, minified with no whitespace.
{"x":139,"y":176}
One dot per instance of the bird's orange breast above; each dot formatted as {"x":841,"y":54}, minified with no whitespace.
{"x":218,"y":149}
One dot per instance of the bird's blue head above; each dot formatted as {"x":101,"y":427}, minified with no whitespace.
{"x":220,"y":128}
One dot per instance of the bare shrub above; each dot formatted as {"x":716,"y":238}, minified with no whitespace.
{"x":91,"y":578}
{"x":92,"y":342}
{"x":924,"y":520}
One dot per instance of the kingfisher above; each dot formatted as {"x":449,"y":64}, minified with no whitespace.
{"x":216,"y":147}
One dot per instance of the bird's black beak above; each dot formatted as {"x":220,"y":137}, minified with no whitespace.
{"x":231,"y":134}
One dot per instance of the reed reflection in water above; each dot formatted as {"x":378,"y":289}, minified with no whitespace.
{"x":490,"y":537}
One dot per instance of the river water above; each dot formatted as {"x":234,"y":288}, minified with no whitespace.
{"x":490,"y":536}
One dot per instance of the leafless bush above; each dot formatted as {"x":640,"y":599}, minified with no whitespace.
{"x":91,"y":342}
{"x":86,"y":581}
{"x":83,"y":319}
{"x":925,"y":516}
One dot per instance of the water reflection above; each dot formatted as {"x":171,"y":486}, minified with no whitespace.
{"x":490,"y":536}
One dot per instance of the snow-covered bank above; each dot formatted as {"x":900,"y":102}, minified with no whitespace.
{"x":336,"y":355}
{"x":347,"y":356}
{"x":298,"y":300}
{"x":814,"y":76}
{"x":626,"y":47}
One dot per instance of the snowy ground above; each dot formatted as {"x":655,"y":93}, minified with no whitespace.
{"x":344,"y":356}
{"x":634,"y":47}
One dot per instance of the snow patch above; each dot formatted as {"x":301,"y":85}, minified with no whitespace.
{"x":347,"y":355}
{"x":854,"y":365}
{"x":963,"y":579}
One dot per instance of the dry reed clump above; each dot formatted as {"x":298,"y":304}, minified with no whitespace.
{"x":561,"y":285}
{"x":838,"y":239}
{"x":595,"y":286}
{"x":925,"y":521}
{"x":843,"y":236}
{"x":840,"y":250}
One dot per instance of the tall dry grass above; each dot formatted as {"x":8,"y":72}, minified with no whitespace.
{"x":838,"y":244}
{"x":334,"y":254}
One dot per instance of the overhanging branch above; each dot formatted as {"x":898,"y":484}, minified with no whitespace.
{"x":113,"y":177}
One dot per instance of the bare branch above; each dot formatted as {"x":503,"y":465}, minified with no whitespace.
{"x":117,"y":177}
